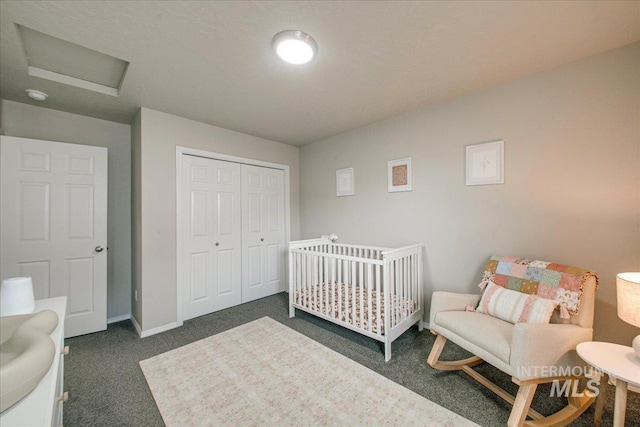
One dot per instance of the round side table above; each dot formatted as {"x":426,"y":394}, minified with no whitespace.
{"x":617,"y":361}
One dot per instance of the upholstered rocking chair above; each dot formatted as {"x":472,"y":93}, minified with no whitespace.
{"x":531,"y":353}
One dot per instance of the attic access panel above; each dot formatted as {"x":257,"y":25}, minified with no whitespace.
{"x":61,"y":61}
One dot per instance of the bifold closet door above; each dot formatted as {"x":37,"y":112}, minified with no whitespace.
{"x":263,"y":222}
{"x":211,"y":221}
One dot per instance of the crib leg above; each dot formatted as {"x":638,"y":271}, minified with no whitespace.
{"x":387,"y":351}
{"x":292,"y":311}
{"x":420,"y":325}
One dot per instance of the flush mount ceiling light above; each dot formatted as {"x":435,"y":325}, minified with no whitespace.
{"x":36,"y":94}
{"x":294,"y":46}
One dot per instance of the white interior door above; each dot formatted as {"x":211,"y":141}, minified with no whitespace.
{"x":262,"y":232}
{"x":54,"y":225}
{"x":211,"y":235}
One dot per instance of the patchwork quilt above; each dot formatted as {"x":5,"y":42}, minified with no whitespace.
{"x":344,"y":307}
{"x":558,"y":282}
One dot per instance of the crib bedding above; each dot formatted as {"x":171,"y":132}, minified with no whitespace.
{"x":316,"y":296}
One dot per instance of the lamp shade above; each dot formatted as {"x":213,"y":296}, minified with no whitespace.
{"x":628,"y":287}
{"x":16,"y":296}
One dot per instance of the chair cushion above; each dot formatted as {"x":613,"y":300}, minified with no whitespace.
{"x":515,"y":307}
{"x":489,"y":333}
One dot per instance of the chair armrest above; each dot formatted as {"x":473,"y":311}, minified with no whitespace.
{"x":450,"y":301}
{"x":544,"y":345}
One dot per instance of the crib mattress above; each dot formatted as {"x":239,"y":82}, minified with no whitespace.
{"x":344,"y":307}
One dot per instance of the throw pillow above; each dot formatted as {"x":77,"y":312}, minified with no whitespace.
{"x":515,"y":307}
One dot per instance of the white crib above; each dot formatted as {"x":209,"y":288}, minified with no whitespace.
{"x":374,"y":291}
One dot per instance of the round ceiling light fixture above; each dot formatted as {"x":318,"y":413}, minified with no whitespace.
{"x":36,"y":95}
{"x":294,"y":46}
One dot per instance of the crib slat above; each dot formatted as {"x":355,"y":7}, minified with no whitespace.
{"x":305,"y":265}
{"x":379,"y":301}
{"x":397,"y":285}
{"x":325,"y":280}
{"x":415,"y":282}
{"x":301,"y":274}
{"x":300,"y":267}
{"x":388,"y":311}
{"x":405,"y":283}
{"x":369,"y":285}
{"x":361,"y":302}
{"x":319,"y":282}
{"x":339,"y":288}
{"x":309,"y":280}
{"x":400,"y":291}
{"x":353,"y":292}
{"x":409,"y":280}
{"x":314,"y":277}
{"x":296,"y":276}
{"x":400,"y":288}
{"x":346,"y":291}
{"x":333,"y":287}
{"x":308,"y":284}
{"x":410,"y":285}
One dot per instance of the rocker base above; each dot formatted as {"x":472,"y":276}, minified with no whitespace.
{"x":522,"y":402}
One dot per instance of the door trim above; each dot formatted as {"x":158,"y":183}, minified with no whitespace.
{"x":180,"y":151}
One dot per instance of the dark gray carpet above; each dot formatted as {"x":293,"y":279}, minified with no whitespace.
{"x":107,"y":388}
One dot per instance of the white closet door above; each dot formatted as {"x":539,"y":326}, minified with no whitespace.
{"x":211,"y":232}
{"x":54,"y":225}
{"x":262,"y":232}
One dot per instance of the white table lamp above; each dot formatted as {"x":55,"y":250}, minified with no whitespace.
{"x":628,"y":287}
{"x":16,"y":296}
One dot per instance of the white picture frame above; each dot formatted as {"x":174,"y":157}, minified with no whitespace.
{"x":399,"y":175}
{"x":485,"y":163}
{"x":345,"y":185}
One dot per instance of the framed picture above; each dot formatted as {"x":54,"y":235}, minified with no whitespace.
{"x":485,"y":163}
{"x":344,"y":182}
{"x":399,"y":175}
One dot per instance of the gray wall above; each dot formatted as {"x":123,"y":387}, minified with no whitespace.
{"x":572,"y":190}
{"x":29,"y":121}
{"x":160,"y":134}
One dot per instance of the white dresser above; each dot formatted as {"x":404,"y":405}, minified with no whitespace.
{"x":43,"y":406}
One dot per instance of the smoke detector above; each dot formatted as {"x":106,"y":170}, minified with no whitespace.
{"x":36,"y":95}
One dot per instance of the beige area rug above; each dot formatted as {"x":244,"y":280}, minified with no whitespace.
{"x":264,"y":373}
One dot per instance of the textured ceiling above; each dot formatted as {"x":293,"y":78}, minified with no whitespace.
{"x":212,"y":61}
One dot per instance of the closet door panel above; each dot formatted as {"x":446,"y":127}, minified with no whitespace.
{"x":197,"y":204}
{"x":263,"y":232}
{"x":199,"y":277}
{"x":228,"y":237}
{"x":226,"y":277}
{"x":211,"y":235}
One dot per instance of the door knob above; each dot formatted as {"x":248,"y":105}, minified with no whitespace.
{"x":217,"y":243}
{"x":99,"y":248}
{"x":262,"y":239}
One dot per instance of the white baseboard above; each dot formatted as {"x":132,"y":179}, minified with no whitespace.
{"x":149,"y":332}
{"x":159,"y":329}
{"x":118,"y":318}
{"x":136,"y":325}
